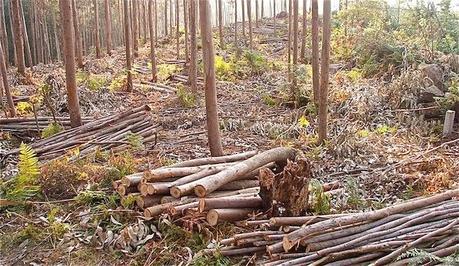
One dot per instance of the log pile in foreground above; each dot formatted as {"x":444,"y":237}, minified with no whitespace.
{"x":107,"y":133}
{"x":216,"y":189}
{"x":378,"y":237}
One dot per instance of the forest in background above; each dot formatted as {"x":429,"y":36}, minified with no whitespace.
{"x":166,"y":132}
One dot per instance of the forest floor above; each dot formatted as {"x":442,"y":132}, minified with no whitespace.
{"x":380,"y":149}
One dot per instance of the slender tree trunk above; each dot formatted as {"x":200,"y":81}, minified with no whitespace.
{"x":177,"y":28}
{"x":193,"y":75}
{"x":152,"y":41}
{"x":262,"y":9}
{"x":69,"y":51}
{"x":243,"y":17}
{"x":47,"y":42}
{"x":19,"y":38}
{"x":28,"y":51}
{"x":289,"y":44}
{"x":156,"y":22}
{"x":315,"y":51}
{"x":185,"y":24}
{"x":127,"y":37}
{"x":295,"y":47}
{"x":97,"y":30}
{"x":145,"y":21}
{"x":5,"y":85}
{"x":249,"y":15}
{"x":78,"y":42}
{"x":324,"y":77}
{"x":304,"y":32}
{"x":4,"y":34}
{"x":235,"y":24}
{"x":171,"y":23}
{"x":56,"y":37}
{"x":108,"y":27}
{"x":33,"y":22}
{"x":274,"y":12}
{"x":165,"y":17}
{"x":135,"y":28}
{"x":213,"y":129}
{"x":13,"y":35}
{"x":256,"y":14}
{"x":220,"y":23}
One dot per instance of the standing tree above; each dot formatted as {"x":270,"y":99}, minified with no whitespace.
{"x":177,"y":28}
{"x":69,"y":52}
{"x":78,"y":43}
{"x":249,"y":14}
{"x":127,"y":37}
{"x":185,"y":22}
{"x":243,"y":17}
{"x":135,"y":29}
{"x":220,"y":23}
{"x":235,"y":23}
{"x":193,"y":75}
{"x":274,"y":15}
{"x":152,"y":41}
{"x":6,"y":87}
{"x":19,"y":38}
{"x":3,"y":33}
{"x":256,"y":14}
{"x":289,"y":42}
{"x":325,"y":69}
{"x":303,"y":33}
{"x":108,"y":27}
{"x":165,"y":17}
{"x":28,"y":54}
{"x":208,"y":51}
{"x":315,"y":50}
{"x":295,"y":47}
{"x":96,"y":22}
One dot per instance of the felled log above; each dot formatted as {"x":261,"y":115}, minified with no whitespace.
{"x":163,"y":173}
{"x":215,"y":216}
{"x":216,"y":160}
{"x":206,"y":204}
{"x":211,"y":183}
{"x":147,"y":201}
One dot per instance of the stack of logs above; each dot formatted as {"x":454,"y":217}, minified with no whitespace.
{"x":107,"y":133}
{"x":219,"y":188}
{"x":34,"y":125}
{"x":376,"y":237}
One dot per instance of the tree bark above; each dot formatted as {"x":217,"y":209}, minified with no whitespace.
{"x":97,"y":31}
{"x":211,"y":183}
{"x":127,"y":37}
{"x":235,"y":24}
{"x":229,"y":202}
{"x":135,"y":29}
{"x":13,"y":35}
{"x":108,"y":27}
{"x":215,"y":216}
{"x":213,"y":128}
{"x":193,"y":73}
{"x":19,"y":38}
{"x":275,"y":19}
{"x":315,"y":51}
{"x":325,"y":70}
{"x":152,"y":42}
{"x":69,"y":51}
{"x":5,"y":86}
{"x":243,"y":17}
{"x":185,"y":24}
{"x":156,"y":22}
{"x":220,"y":23}
{"x":28,"y":51}
{"x":4,"y":34}
{"x":295,"y":50}
{"x":78,"y":42}
{"x":256,"y":14}
{"x":177,"y":27}
{"x":165,"y":17}
{"x":303,"y":33}
{"x":249,"y":15}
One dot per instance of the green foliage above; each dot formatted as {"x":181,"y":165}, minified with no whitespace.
{"x":165,"y":71}
{"x":128,"y":201}
{"x":384,"y":129}
{"x":51,"y":130}
{"x":224,"y":70}
{"x":216,"y":259}
{"x":117,"y":83}
{"x":91,"y":81}
{"x":354,"y":199}
{"x":268,"y":99}
{"x":321,"y":201}
{"x":256,"y":61}
{"x":452,"y":97}
{"x":136,"y":141}
{"x":24,"y":185}
{"x":24,"y":108}
{"x":187,"y":99}
{"x":89,"y":197}
{"x":123,"y":162}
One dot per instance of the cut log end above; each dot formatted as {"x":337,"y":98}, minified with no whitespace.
{"x":200,"y":191}
{"x":143,"y":188}
{"x":175,"y":192}
{"x":212,"y":217}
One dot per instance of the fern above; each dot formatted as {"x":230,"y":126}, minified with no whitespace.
{"x":51,"y":130}
{"x":419,"y":256}
{"x":23,"y":186}
{"x":136,"y":141}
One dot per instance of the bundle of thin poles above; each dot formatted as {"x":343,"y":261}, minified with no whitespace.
{"x":108,"y":133}
{"x":34,"y":125}
{"x":377,"y":237}
{"x":218,"y":188}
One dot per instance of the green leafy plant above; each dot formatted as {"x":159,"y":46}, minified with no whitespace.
{"x":51,"y":130}
{"x":224,"y":70}
{"x":24,"y":108}
{"x":321,"y":201}
{"x":256,"y":61}
{"x":24,"y":185}
{"x":92,"y":81}
{"x":167,"y":70}
{"x":187,"y":99}
{"x":136,"y":141}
